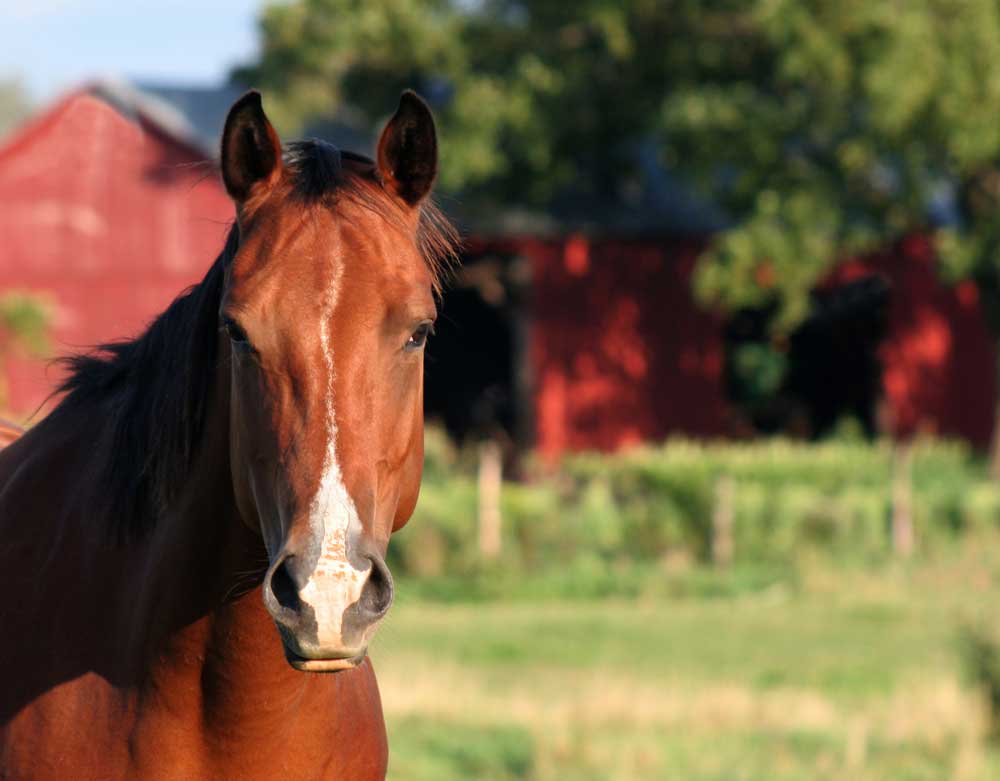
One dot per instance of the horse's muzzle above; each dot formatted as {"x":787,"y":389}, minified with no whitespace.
{"x":327,"y":616}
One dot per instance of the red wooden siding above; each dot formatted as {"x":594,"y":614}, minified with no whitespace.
{"x":938,"y":357}
{"x":620,"y":352}
{"x":108,"y":216}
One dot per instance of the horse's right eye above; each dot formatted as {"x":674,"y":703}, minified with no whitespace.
{"x":419,"y":337}
{"x":236,"y":333}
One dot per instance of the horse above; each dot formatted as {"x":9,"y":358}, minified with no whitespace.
{"x":192,"y":541}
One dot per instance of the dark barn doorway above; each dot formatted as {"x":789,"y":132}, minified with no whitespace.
{"x":827,"y":370}
{"x":476,"y":381}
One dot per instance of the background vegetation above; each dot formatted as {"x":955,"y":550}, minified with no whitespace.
{"x":816,"y":129}
{"x":617,"y":524}
{"x":606,"y":643}
{"x":858,"y":670}
{"x":14,"y":104}
{"x":25,"y":321}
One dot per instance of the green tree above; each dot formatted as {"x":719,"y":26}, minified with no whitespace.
{"x":14,"y":105}
{"x":25,"y":319}
{"x":822,"y":128}
{"x":859,"y":118}
{"x":531,"y":98}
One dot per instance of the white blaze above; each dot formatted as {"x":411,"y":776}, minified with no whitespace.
{"x":334,"y":583}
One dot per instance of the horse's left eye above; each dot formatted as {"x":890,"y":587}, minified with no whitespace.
{"x":419,"y":337}
{"x":236,"y":333}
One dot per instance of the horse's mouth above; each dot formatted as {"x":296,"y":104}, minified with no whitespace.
{"x":322,"y":665}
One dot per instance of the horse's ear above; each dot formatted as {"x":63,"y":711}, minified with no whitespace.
{"x":407,"y":150}
{"x":251,"y":149}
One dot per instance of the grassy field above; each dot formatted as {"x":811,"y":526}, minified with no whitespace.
{"x":839,"y":675}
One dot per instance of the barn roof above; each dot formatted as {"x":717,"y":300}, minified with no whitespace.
{"x":200,"y":112}
{"x":190,"y":123}
{"x":194,"y":115}
{"x":659,"y":204}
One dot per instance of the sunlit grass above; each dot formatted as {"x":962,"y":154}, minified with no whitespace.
{"x":851,"y":675}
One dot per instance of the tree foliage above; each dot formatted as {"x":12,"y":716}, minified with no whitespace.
{"x":822,"y":128}
{"x":14,"y":105}
{"x":531,"y":98}
{"x":864,"y":122}
{"x":25,"y":321}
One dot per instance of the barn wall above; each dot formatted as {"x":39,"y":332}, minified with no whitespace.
{"x":109,"y":218}
{"x":619,"y":351}
{"x":938,"y":376}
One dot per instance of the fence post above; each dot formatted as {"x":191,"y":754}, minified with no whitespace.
{"x":903,"y":537}
{"x":722,"y":521}
{"x":490,"y":481}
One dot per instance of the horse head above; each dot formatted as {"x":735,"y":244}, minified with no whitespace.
{"x":326,"y":308}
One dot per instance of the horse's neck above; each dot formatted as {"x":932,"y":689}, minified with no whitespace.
{"x":216,"y":658}
{"x":163,"y":644}
{"x":201,"y":614}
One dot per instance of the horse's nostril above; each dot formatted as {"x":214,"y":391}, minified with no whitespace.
{"x":283,"y":587}
{"x":376,"y":597}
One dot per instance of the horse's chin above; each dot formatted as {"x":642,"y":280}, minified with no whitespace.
{"x":332,"y":665}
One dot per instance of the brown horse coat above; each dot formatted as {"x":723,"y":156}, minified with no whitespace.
{"x":160,"y":522}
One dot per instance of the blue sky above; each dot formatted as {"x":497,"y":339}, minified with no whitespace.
{"x":54,"y":45}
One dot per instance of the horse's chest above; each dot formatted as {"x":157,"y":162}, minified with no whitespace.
{"x":73,"y":730}
{"x":311,"y":752}
{"x":86,"y":729}
{"x":184,"y":724}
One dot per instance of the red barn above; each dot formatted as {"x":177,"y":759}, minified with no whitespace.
{"x":565,"y":338}
{"x":938,"y":357}
{"x":606,"y":346}
{"x":110,"y":209}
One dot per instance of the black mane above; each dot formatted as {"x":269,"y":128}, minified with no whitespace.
{"x":153,"y":392}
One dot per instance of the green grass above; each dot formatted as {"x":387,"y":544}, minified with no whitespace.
{"x":452,"y":751}
{"x":847,"y":674}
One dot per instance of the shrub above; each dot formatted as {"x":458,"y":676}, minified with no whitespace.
{"x":655,"y":503}
{"x":980,"y":650}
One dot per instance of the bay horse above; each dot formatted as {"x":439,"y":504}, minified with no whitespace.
{"x":196,"y":533}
